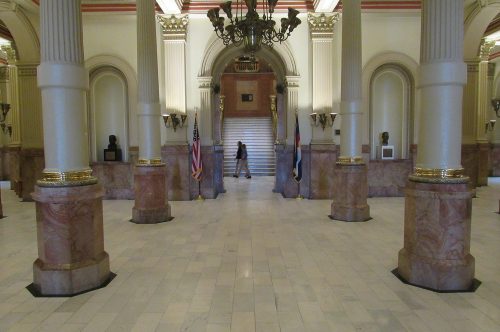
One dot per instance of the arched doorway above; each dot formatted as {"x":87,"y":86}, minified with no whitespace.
{"x":280,"y":59}
{"x":248,"y":95}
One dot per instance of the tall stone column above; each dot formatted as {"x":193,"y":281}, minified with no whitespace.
{"x":350,"y":185}
{"x":321,"y":28}
{"x":483,"y":109}
{"x":71,"y":256}
{"x":151,"y":204}
{"x":438,"y":201}
{"x":174,"y":29}
{"x":323,"y":149}
{"x":175,"y":149}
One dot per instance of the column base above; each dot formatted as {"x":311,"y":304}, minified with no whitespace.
{"x":73,"y":280}
{"x":350,"y":191}
{"x":71,"y":256}
{"x":436,"y":248}
{"x":151,"y":205}
{"x":151,"y":216}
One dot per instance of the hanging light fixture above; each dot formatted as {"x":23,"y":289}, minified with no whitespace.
{"x":251,"y":29}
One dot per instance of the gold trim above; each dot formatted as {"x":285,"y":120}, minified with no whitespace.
{"x":67,"y":179}
{"x":150,"y":162}
{"x":350,"y":161}
{"x":441,"y":173}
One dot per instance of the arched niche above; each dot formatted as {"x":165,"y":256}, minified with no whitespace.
{"x":108,"y":106}
{"x":97,"y":62}
{"x":409,"y":67}
{"x":390,"y":100}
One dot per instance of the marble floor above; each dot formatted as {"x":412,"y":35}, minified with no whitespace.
{"x":251,"y":261}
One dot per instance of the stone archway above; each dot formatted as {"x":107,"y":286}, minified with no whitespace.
{"x":281,"y":60}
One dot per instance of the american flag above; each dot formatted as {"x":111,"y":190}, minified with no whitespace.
{"x":196,"y":164}
{"x":297,"y":153}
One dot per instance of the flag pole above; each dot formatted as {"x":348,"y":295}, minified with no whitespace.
{"x":199,"y":198}
{"x":196,"y":163}
{"x":299,"y":196}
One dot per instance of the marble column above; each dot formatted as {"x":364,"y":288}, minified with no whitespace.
{"x":175,"y":149}
{"x":71,"y":256}
{"x":150,"y":173}
{"x":350,"y":185}
{"x":436,"y":253}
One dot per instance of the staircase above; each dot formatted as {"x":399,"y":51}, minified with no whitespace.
{"x":257,"y":134}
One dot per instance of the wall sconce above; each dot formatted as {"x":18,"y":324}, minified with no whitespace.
{"x":6,"y":128}
{"x":489,"y":126}
{"x":496,"y":106}
{"x":322,"y":119}
{"x":174,"y":120}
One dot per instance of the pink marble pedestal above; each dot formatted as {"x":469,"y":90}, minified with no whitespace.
{"x":437,"y":237}
{"x":350,"y":191}
{"x":151,"y":205}
{"x":71,"y":256}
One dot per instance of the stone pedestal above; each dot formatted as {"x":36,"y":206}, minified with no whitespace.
{"x":71,"y":256}
{"x":151,"y":205}
{"x":436,"y":253}
{"x":349,"y":203}
{"x":323,"y":158}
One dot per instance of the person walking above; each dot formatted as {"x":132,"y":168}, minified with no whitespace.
{"x":238,"y":161}
{"x":244,"y":161}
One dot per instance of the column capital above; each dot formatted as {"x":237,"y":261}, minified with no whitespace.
{"x":485,"y":49}
{"x":321,"y":26}
{"x":11,"y":53}
{"x":292,"y":81}
{"x":205,"y":82}
{"x":472,"y":65}
{"x":174,"y":27}
{"x":27,"y":69}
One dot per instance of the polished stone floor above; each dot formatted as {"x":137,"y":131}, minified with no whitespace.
{"x":251,"y":261}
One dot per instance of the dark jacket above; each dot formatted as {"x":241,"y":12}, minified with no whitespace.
{"x":238,"y":153}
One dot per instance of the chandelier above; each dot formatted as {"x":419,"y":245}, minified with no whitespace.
{"x":251,"y":29}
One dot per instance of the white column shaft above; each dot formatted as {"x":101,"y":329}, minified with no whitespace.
{"x":205,"y":111}
{"x":483,"y":102}
{"x":292,"y":105}
{"x":350,"y":130}
{"x":15,"y":139}
{"x":148,"y":110}
{"x":63,"y":81}
{"x":175,"y":75}
{"x":442,"y":78}
{"x":322,"y":74}
{"x":469,"y":119}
